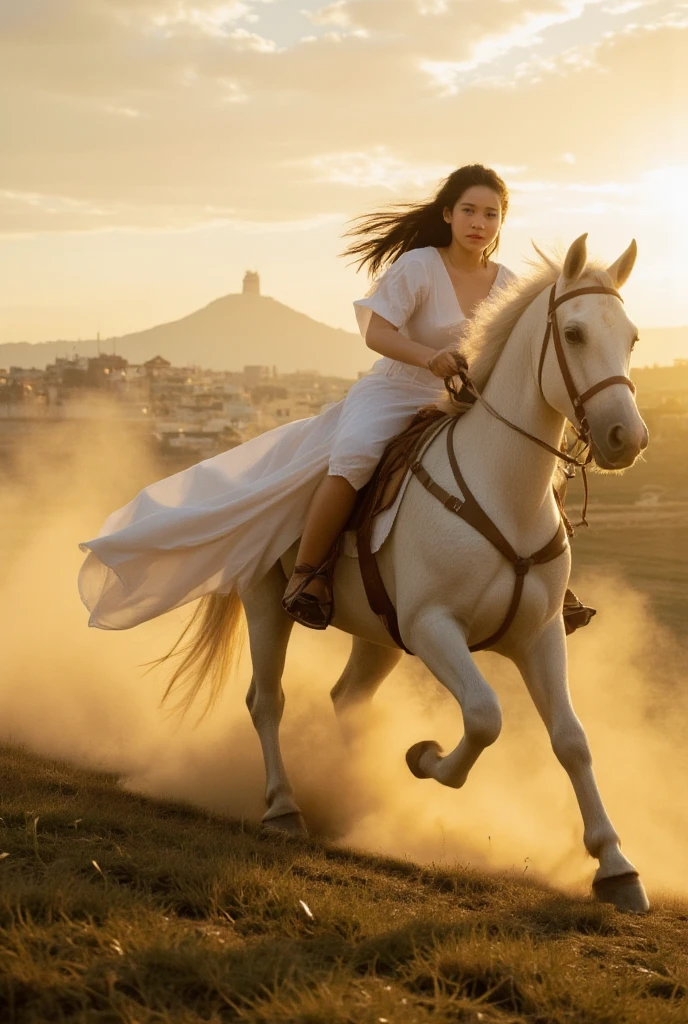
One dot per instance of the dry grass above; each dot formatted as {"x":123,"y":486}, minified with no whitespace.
{"x":117,"y":908}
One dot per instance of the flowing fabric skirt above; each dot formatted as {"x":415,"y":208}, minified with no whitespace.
{"x":224,"y":522}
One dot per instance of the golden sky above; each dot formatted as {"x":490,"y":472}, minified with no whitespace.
{"x":152,"y":150}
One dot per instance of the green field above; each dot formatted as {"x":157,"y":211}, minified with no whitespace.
{"x":116,"y":908}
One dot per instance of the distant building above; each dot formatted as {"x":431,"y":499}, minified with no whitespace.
{"x":251,"y":283}
{"x":156,"y":367}
{"x":103,"y":369}
{"x":157,"y":363}
{"x":257,"y":374}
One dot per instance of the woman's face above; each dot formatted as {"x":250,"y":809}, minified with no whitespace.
{"x":476,"y":218}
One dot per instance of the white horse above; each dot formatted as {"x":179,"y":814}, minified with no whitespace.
{"x":450,"y":586}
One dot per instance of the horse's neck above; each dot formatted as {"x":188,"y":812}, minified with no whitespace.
{"x":514,"y":474}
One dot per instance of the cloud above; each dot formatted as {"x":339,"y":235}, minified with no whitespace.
{"x":333,"y":14}
{"x":376,"y":169}
{"x":122,"y":111}
{"x":144,"y":128}
{"x":433,"y":6}
{"x":30,"y":213}
{"x":487,"y":51}
{"x":627,"y":6}
{"x":210,"y":19}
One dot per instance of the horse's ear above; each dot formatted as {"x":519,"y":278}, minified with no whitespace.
{"x":621,"y":270}
{"x":576,"y":259}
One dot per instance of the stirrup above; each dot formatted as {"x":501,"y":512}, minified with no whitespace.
{"x":575,"y":613}
{"x":307,"y":608}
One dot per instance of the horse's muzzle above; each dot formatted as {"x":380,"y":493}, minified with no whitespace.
{"x":620,"y":445}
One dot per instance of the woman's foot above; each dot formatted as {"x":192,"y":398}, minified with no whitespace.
{"x":308,"y":597}
{"x":576,"y":614}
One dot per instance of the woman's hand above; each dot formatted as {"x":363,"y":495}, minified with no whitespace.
{"x":447,"y":363}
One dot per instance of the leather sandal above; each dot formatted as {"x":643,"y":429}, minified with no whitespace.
{"x":316,"y":613}
{"x":575,"y":613}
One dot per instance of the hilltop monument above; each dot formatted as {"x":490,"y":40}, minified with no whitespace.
{"x":251,"y":283}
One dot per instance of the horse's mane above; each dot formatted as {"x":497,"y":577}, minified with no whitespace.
{"x":488,"y":331}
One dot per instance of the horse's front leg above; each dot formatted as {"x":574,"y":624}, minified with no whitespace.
{"x":440,"y":643}
{"x":543,"y":666}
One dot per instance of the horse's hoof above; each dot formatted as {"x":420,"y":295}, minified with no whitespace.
{"x":292,"y":824}
{"x":415,"y":753}
{"x":626,"y":892}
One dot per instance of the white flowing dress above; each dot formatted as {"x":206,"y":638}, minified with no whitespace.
{"x":224,"y":522}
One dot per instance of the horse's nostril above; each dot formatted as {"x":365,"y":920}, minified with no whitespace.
{"x":616,"y":437}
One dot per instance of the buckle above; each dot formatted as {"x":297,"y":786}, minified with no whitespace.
{"x":453,"y":503}
{"x":522,"y":565}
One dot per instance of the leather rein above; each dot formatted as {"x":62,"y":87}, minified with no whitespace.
{"x":468,"y":509}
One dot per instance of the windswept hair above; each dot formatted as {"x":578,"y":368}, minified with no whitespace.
{"x":384,"y":235}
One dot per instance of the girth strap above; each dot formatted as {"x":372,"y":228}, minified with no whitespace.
{"x":474,"y":515}
{"x":468,"y":509}
{"x":471,"y":511}
{"x":379,"y":600}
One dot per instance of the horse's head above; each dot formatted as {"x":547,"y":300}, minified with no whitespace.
{"x":595,"y":341}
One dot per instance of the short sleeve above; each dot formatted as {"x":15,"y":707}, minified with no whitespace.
{"x":397,"y":294}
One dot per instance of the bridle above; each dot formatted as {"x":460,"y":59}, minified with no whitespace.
{"x":577,"y":400}
{"x":583,"y":444}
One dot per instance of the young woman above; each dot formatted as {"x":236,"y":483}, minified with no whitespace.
{"x":439,"y":271}
{"x":224,"y":522}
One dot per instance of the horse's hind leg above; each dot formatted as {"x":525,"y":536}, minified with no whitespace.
{"x":368,"y":666}
{"x":269,"y":628}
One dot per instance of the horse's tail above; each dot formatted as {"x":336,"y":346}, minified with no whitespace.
{"x":215,"y":634}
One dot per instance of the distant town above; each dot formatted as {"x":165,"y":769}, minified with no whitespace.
{"x":207,"y":411}
{"x":185,"y":407}
{"x":191,"y":412}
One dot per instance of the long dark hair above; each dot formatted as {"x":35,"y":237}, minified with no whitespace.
{"x":385,"y":235}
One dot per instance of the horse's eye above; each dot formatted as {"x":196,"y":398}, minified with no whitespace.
{"x":574,"y":335}
{"x":634,"y":342}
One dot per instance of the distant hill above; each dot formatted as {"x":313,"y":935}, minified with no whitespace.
{"x":245,"y":329}
{"x":228,"y":334}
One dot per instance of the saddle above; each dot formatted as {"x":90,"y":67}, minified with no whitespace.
{"x":401,"y":455}
{"x":380,"y":493}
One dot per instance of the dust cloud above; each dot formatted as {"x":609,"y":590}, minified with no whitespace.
{"x":81,"y":694}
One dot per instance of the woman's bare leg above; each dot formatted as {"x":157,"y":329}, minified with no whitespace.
{"x":329,"y":511}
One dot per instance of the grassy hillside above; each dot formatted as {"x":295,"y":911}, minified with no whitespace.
{"x":117,"y":908}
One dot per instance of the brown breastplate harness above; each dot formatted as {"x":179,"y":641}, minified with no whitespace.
{"x":468,"y":509}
